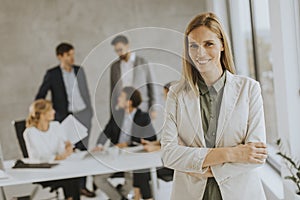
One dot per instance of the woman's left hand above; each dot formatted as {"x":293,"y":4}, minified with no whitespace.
{"x":151,"y":147}
{"x":122,"y":145}
{"x":68,"y":148}
{"x":144,"y":142}
{"x":68,"y":151}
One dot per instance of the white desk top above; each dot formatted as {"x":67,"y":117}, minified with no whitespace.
{"x":77,"y":166}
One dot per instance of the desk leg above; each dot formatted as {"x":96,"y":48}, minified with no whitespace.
{"x":154,"y":183}
{"x":3,"y":193}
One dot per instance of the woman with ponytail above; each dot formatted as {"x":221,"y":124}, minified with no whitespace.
{"x":45,"y":142}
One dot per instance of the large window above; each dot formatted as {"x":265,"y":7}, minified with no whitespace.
{"x":251,"y":39}
{"x":263,"y":62}
{"x":252,"y":48}
{"x":266,"y":46}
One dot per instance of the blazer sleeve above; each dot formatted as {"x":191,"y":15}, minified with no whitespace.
{"x":104,"y":135}
{"x":82,"y":82}
{"x":175,"y":156}
{"x":143,"y":128}
{"x":150,"y":132}
{"x":45,"y":87}
{"x":255,"y":133}
{"x":102,"y":139}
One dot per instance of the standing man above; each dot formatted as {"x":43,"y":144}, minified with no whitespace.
{"x":131,"y":70}
{"x":69,"y":93}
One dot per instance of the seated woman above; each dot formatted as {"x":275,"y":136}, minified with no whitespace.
{"x":45,"y":142}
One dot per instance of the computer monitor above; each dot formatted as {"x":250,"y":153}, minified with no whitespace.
{"x":1,"y":160}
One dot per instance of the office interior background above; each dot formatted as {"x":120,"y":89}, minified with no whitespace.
{"x":265,"y":37}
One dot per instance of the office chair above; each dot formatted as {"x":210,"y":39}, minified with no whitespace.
{"x":20,"y":127}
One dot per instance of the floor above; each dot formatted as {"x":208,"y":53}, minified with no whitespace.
{"x":11,"y":192}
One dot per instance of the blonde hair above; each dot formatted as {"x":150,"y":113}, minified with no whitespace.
{"x":190,"y":74}
{"x":37,"y":108}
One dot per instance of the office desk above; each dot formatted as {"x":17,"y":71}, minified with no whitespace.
{"x":77,"y":166}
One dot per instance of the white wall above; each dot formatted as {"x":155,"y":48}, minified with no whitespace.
{"x":31,"y":30}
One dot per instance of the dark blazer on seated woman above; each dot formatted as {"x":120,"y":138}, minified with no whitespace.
{"x":141,"y":128}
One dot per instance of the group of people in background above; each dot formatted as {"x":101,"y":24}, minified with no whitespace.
{"x":129,"y":121}
{"x":214,"y":132}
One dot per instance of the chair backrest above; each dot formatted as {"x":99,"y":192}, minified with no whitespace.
{"x":20,"y":127}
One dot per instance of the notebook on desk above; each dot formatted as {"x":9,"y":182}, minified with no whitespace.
{"x":22,"y":164}
{"x":98,"y":153}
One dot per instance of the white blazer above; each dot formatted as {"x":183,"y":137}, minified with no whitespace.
{"x":241,"y":120}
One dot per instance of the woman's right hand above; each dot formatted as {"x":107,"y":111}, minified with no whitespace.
{"x":254,"y":152}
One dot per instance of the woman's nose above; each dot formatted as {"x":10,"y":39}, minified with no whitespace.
{"x":201,"y":51}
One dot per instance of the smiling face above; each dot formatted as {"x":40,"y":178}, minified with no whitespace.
{"x":205,"y":49}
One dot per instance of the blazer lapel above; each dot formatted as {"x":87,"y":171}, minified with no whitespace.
{"x":230,"y":96}
{"x":76,"y":69}
{"x":192,"y":104}
{"x":62,"y":83}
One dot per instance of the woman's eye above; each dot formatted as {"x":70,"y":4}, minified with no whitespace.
{"x":209,"y":44}
{"x":194,"y":46}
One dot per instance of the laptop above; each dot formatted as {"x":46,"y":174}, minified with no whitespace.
{"x":3,"y":175}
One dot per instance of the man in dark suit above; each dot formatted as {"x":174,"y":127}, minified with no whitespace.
{"x":126,"y":126}
{"x":132,"y":70}
{"x":69,"y":93}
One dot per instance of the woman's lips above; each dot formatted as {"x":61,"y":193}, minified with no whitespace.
{"x":203,"y":61}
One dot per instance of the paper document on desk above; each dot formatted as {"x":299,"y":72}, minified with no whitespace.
{"x":135,"y":149}
{"x":74,"y":130}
